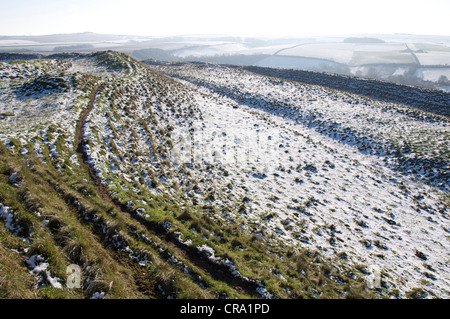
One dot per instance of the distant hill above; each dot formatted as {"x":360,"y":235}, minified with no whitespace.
{"x":70,"y":37}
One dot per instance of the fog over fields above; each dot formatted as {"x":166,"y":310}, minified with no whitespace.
{"x":402,"y":58}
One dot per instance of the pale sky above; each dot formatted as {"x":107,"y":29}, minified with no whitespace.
{"x":233,"y":17}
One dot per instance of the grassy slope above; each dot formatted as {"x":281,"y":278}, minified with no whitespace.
{"x":63,"y":218}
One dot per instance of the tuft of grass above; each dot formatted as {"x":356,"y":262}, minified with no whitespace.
{"x":15,"y":280}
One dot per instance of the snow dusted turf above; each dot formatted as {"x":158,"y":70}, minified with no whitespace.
{"x":362,"y":182}
{"x":321,"y":188}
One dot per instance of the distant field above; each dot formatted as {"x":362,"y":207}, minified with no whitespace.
{"x":431,"y":47}
{"x":336,"y":52}
{"x":292,"y":62}
{"x":16,"y":42}
{"x":207,"y":50}
{"x":440,"y":58}
{"x":386,"y":57}
{"x":273,"y":49}
{"x":354,"y":53}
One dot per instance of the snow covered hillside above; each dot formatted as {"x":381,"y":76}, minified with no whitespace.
{"x":273,"y":187}
{"x":348,"y":175}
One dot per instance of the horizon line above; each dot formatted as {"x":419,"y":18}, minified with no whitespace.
{"x":227,"y":35}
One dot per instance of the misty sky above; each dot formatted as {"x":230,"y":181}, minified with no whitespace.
{"x":234,"y":17}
